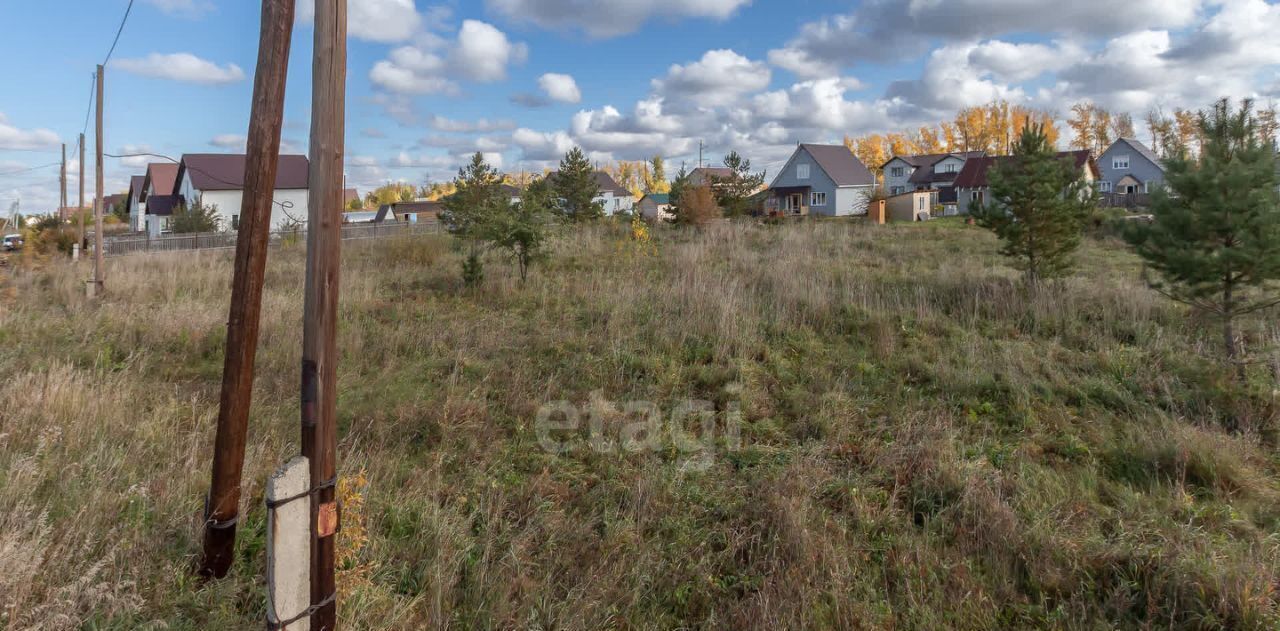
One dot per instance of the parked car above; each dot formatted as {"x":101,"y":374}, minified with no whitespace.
{"x":12,"y":242}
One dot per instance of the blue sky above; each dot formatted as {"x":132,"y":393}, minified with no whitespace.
{"x":523,"y":80}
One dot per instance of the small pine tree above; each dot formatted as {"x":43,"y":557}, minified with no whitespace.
{"x":469,"y":213}
{"x":733,"y":192}
{"x":575,"y":185}
{"x":678,"y":188}
{"x":1038,"y":207}
{"x":522,"y":230}
{"x":1215,"y":239}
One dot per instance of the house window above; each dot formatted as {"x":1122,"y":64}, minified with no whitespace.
{"x":1120,"y":162}
{"x":817,"y":199}
{"x":897,"y":171}
{"x":235,"y":222}
{"x":897,"y":190}
{"x":802,"y":171}
{"x":950,"y":167}
{"x":1146,"y":187}
{"x":924,"y":203}
{"x":1104,"y":186}
{"x":975,"y":196}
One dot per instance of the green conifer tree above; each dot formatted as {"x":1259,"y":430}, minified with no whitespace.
{"x":575,"y":185}
{"x":1215,"y":239}
{"x":1038,"y":206}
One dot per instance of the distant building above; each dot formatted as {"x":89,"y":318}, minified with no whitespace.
{"x":1128,"y":167}
{"x":158,"y":199}
{"x":821,"y":180}
{"x":706,"y":176}
{"x":217,"y":180}
{"x":929,"y":172}
{"x":610,"y":195}
{"x":656,"y":207}
{"x":137,"y":216}
{"x":973,"y":186}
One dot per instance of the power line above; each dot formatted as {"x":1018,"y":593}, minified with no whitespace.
{"x":21,"y":171}
{"x":118,"y":32}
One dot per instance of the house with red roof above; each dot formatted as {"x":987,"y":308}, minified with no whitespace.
{"x":973,"y":186}
{"x":216,"y":180}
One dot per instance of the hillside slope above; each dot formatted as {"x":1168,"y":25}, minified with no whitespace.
{"x":922,"y":444}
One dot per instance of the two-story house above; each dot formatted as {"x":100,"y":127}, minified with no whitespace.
{"x":1129,"y":168}
{"x":928,"y":172}
{"x":158,"y":198}
{"x":821,"y":180}
{"x":973,"y":187}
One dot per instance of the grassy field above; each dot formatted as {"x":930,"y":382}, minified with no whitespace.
{"x":922,"y":442}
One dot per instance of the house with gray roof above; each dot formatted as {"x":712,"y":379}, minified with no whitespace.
{"x":1129,"y":168}
{"x":821,"y":180}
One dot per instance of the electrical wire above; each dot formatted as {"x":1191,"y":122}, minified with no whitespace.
{"x":21,"y":171}
{"x":118,"y":32}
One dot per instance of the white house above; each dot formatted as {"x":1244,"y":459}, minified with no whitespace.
{"x":217,"y":180}
{"x":157,"y":200}
{"x":611,"y":196}
{"x":136,"y":209}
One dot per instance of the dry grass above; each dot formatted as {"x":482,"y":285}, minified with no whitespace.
{"x":926,"y":444}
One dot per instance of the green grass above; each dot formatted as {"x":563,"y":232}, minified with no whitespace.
{"x":925,"y":442}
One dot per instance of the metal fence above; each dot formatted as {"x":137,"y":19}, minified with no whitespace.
{"x":1124,"y":200}
{"x":142,"y":244}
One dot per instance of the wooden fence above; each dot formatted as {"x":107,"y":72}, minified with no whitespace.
{"x":143,"y":244}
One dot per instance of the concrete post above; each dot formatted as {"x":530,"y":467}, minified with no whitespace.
{"x":289,"y":546}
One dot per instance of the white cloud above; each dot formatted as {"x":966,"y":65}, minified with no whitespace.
{"x":184,"y":8}
{"x":384,"y":21}
{"x":481,"y":53}
{"x":881,"y":30}
{"x":1022,"y":62}
{"x":560,"y":87}
{"x":134,"y":159}
{"x":608,"y":18}
{"x":949,"y":82}
{"x":228,"y":141}
{"x":482,"y":125}
{"x":182,"y":67}
{"x":13,"y":138}
{"x":719,"y":78}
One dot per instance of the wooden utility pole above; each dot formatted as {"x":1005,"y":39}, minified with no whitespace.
{"x":80,"y":207}
{"x":62,"y":179}
{"x":320,"y":302}
{"x":261,"y":163}
{"x":99,"y":274}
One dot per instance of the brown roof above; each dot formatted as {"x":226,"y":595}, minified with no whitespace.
{"x":604,"y":182}
{"x":418,"y":207}
{"x":348,"y":195}
{"x":136,"y":184}
{"x":701,"y":176}
{"x":930,"y":159}
{"x":844,"y":168}
{"x":225,"y":171}
{"x":161,"y":176}
{"x":110,"y":201}
{"x":974,"y":173}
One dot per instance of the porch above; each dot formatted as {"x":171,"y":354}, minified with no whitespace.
{"x":791,"y":201}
